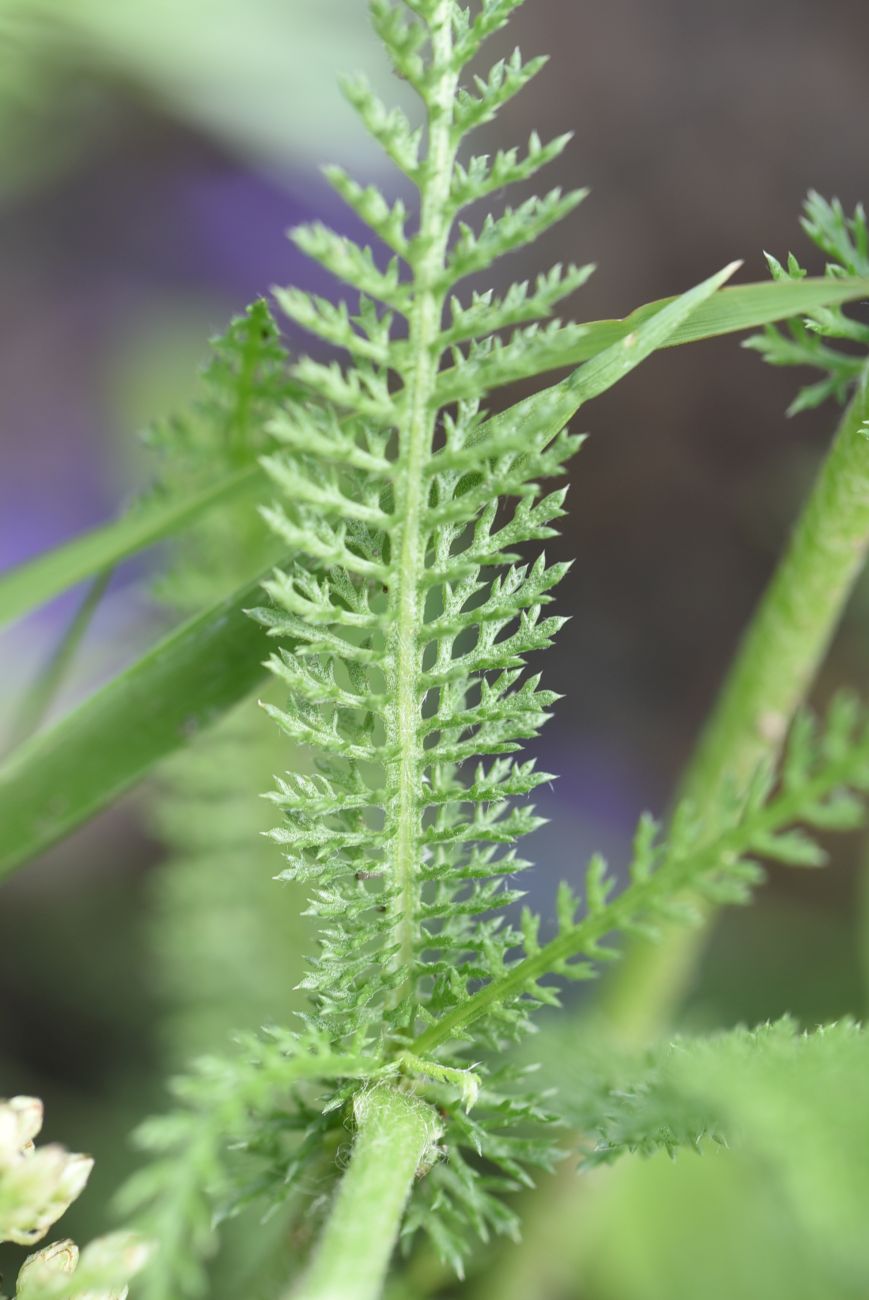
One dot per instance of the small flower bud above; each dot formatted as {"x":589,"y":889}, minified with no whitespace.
{"x":101,"y":1272}
{"x":20,"y":1121}
{"x":76,"y":1172}
{"x":39,"y":1270}
{"x":36,"y":1186}
{"x":29,"y":1111}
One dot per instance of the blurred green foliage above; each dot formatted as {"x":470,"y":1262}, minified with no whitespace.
{"x":782,"y":1215}
{"x":257,"y":75}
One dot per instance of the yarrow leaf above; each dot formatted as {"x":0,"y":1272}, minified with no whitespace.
{"x":814,"y":340}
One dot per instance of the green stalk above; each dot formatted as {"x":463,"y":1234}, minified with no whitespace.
{"x":395,"y":1136}
{"x":406,"y":596}
{"x":769,"y":680}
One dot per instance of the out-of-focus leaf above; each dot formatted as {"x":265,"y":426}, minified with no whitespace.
{"x":788,"y":1191}
{"x":253,"y":75}
{"x":40,"y":696}
{"x":39,"y":580}
{"x":185,"y":683}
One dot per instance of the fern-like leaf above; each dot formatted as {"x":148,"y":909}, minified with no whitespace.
{"x":191,"y":1181}
{"x":217,"y":878}
{"x":812,"y":342}
{"x":404,"y":624}
{"x":824,"y":784}
{"x":406,"y":620}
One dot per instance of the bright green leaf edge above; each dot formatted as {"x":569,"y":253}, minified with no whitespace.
{"x":185,"y":683}
{"x":743,"y":307}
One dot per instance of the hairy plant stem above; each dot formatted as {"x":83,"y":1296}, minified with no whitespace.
{"x":406,"y":596}
{"x":771,"y":675}
{"x":395,"y":1135}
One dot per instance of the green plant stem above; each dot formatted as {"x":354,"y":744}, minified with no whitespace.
{"x":394,"y":1137}
{"x":792,"y":630}
{"x":770,"y":678}
{"x":407,"y":597}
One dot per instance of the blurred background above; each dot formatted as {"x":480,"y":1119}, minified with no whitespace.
{"x":151,"y":158}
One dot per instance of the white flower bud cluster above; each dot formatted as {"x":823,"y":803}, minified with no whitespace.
{"x":42,"y":1270}
{"x":36,"y":1186}
{"x":101,"y":1272}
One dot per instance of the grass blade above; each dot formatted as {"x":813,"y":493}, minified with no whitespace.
{"x":551,"y":409}
{"x":741,"y":307}
{"x":186,"y":682}
{"x":41,"y":695}
{"x":39,"y":580}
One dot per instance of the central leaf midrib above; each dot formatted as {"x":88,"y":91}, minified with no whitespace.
{"x":406,"y":604}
